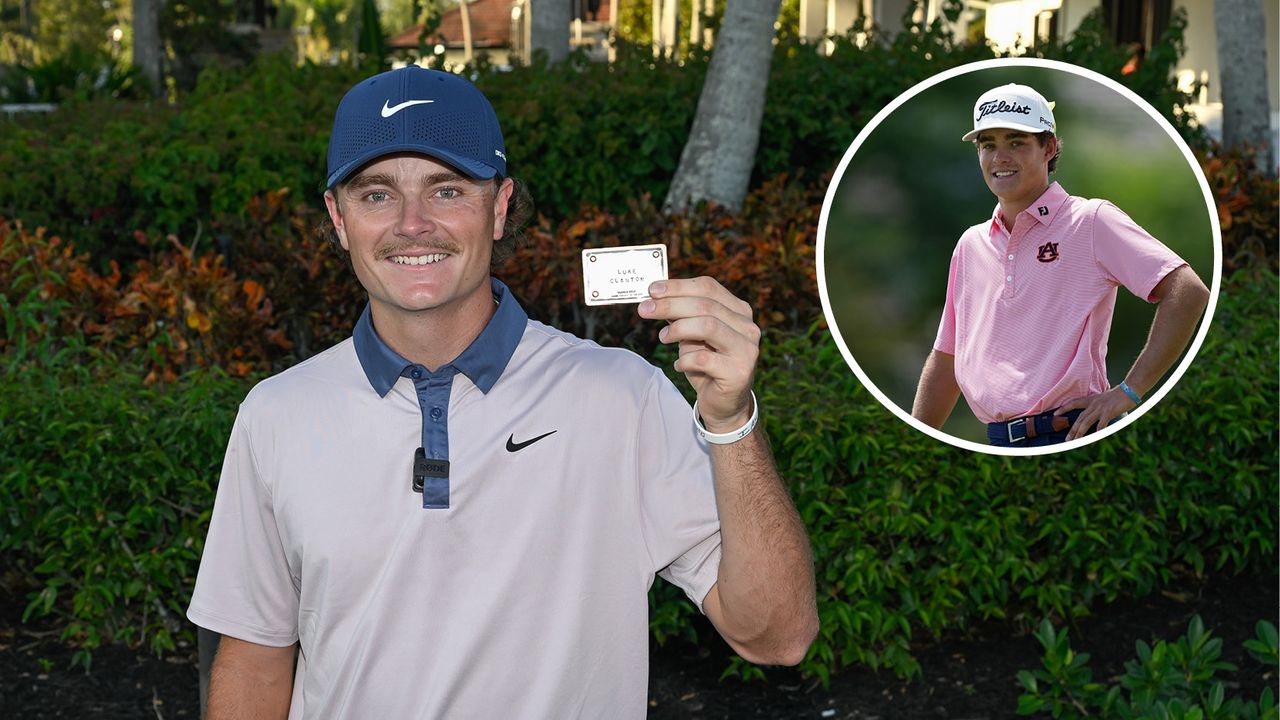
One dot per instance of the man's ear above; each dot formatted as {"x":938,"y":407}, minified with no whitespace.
{"x":1051,"y":148}
{"x":500,"y":203}
{"x":335,"y":215}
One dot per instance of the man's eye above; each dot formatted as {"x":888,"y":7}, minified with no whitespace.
{"x":448,"y":193}
{"x":377,"y":196}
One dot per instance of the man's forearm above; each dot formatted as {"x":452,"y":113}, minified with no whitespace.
{"x":1182,"y":298}
{"x":1182,"y":301}
{"x":765,"y":585}
{"x":250,"y":681}
{"x":938,"y":391}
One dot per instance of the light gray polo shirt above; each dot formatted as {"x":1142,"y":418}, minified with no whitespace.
{"x":524,"y":593}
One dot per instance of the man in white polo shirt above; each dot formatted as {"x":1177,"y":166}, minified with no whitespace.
{"x":458,"y":512}
{"x":1031,"y":293}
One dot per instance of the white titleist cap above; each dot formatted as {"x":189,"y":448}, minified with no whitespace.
{"x":1014,"y":107}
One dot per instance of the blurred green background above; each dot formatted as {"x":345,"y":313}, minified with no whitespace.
{"x":913,"y":187}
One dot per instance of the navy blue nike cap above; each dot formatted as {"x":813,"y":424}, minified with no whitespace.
{"x":413,"y":109}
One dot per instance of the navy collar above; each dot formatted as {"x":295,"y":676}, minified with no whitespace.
{"x":482,"y":362}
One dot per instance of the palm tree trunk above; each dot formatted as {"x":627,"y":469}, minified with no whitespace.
{"x":550,"y":28}
{"x":148,"y":48}
{"x":717,"y":159}
{"x":1242,"y":69}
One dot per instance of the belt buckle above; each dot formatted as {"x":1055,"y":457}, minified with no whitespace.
{"x":1009,"y":430}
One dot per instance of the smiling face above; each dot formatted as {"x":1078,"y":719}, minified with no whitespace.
{"x":1015,"y":165}
{"x":420,"y":235}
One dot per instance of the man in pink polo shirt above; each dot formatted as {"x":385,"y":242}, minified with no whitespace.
{"x":1031,"y":292}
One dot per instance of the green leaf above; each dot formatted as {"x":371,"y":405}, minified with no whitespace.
{"x":1027,"y":679}
{"x":1029,"y":704}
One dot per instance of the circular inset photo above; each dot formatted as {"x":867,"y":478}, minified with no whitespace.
{"x":1019,"y":256}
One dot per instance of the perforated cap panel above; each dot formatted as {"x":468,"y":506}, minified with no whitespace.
{"x":454,"y":130}
{"x":366,"y":134}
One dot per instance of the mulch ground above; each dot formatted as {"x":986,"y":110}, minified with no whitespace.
{"x":971,"y":678}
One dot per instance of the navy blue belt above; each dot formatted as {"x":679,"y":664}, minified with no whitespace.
{"x":1031,"y":426}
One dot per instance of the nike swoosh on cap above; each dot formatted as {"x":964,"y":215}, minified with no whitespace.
{"x":513,"y":446}
{"x":393,"y":109}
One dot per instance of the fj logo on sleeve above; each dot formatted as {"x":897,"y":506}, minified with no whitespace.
{"x":1048,"y":252}
{"x":1043,"y":210}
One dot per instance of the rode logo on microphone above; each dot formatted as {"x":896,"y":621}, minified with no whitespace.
{"x":425,"y":467}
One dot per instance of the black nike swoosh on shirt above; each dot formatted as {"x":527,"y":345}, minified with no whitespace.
{"x":513,"y":446}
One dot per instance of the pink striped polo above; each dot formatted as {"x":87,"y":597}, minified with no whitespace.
{"x":1027,"y":315}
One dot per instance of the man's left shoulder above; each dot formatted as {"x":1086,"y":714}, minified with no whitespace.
{"x":564,"y":352}
{"x":1074,"y":216}
{"x":1110,"y":221}
{"x":1076,"y":206}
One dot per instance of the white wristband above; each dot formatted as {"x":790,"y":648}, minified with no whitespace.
{"x":729,"y":437}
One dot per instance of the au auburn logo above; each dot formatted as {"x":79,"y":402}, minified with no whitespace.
{"x":1048,"y":252}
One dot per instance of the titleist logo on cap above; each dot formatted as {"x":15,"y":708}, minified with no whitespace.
{"x":995,"y":106}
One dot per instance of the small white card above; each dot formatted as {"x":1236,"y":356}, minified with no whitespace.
{"x":622,"y":274}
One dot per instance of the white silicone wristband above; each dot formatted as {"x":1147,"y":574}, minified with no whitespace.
{"x":729,"y":437}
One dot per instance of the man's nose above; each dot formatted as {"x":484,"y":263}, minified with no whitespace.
{"x":415,"y":217}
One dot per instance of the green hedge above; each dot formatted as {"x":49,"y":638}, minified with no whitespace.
{"x":913,"y":538}
{"x":107,"y":484}
{"x":96,"y":171}
{"x":580,"y":133}
{"x":107,"y":487}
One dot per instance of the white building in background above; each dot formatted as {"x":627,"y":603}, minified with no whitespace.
{"x":1007,"y":24}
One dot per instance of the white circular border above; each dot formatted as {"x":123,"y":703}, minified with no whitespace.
{"x":1147,"y":402}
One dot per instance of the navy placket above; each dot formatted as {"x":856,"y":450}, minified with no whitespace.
{"x":433,"y":399}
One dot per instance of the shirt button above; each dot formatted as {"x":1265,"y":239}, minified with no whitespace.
{"x":436,"y":413}
{"x":1008,"y":278}
{"x":415,"y":373}
{"x":1010,"y":256}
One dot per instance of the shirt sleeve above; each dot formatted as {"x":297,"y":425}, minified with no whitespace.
{"x":946,"y":340}
{"x":1128,"y":255}
{"x":679,"y":520}
{"x":244,"y":588}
